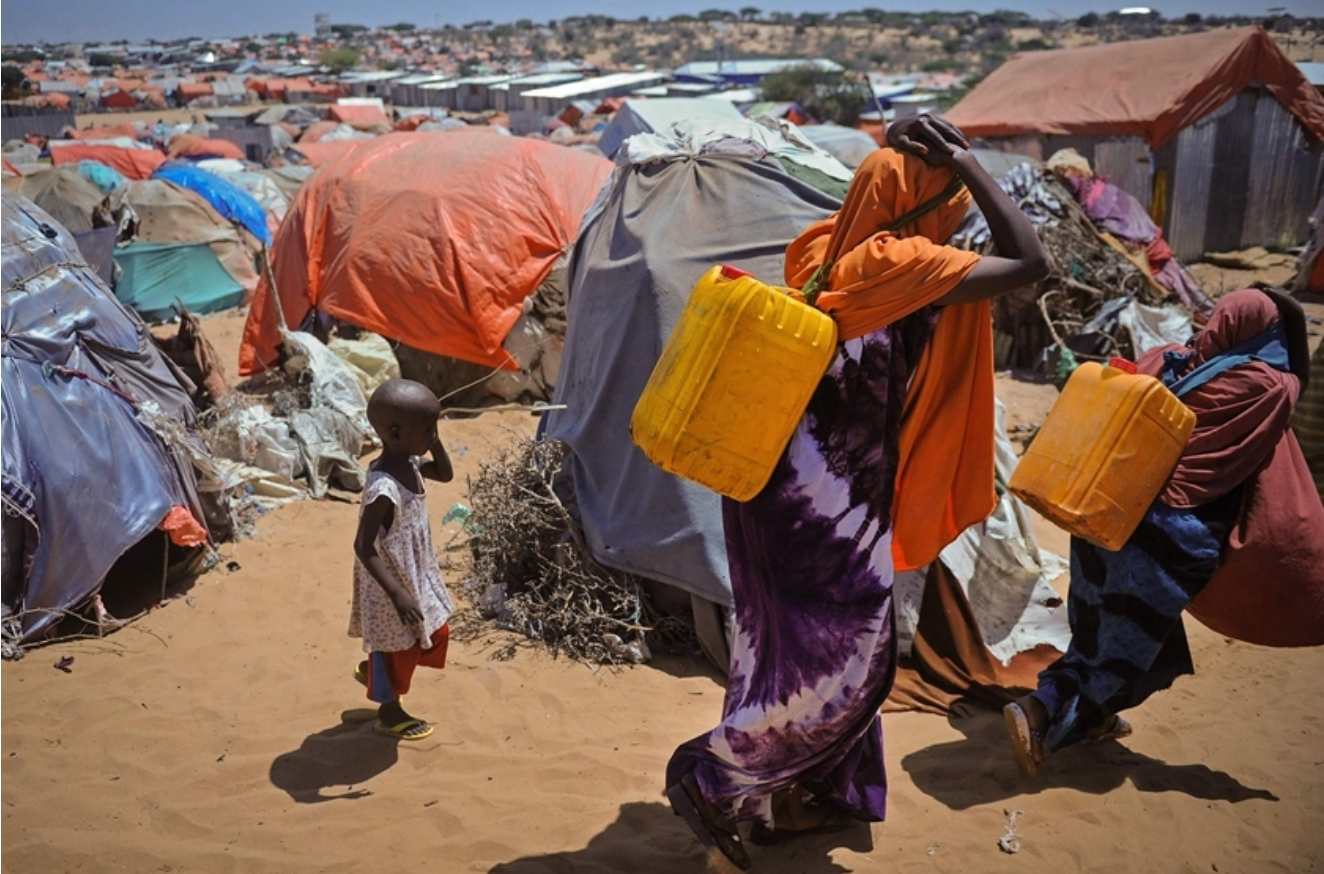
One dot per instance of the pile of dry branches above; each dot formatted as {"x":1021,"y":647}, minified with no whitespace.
{"x":1088,"y":271}
{"x":533,"y":574}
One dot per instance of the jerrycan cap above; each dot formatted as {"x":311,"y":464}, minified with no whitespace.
{"x":1122,"y":364}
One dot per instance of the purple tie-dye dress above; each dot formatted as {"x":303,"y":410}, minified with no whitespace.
{"x":814,"y":655}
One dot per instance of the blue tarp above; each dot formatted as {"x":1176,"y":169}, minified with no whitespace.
{"x":231,"y":201}
{"x":89,"y":478}
{"x":155,"y":278}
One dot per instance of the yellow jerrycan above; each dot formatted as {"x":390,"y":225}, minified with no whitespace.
{"x":732,"y":383}
{"x":1104,"y":452}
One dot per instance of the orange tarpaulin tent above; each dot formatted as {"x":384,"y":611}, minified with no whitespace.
{"x":194,"y":146}
{"x":194,"y":90}
{"x":131,"y":163}
{"x":318,"y":154}
{"x":105,"y":133}
{"x":359,"y":116}
{"x":1150,"y":88}
{"x":315,"y":131}
{"x":434,"y":240}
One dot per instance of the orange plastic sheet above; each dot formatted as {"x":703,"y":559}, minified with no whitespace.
{"x":318,"y":154}
{"x":193,"y":146}
{"x":432,"y":239}
{"x":105,"y":133}
{"x":358,"y":116}
{"x":1150,"y":88}
{"x":131,"y":163}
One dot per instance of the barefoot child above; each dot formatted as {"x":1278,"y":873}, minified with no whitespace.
{"x":401,"y":605}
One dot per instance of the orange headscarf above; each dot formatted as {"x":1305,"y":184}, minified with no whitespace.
{"x":944,"y":481}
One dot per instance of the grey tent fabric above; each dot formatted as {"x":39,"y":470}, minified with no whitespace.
{"x":98,"y":427}
{"x":846,"y":144}
{"x":660,"y":227}
{"x":646,"y":116}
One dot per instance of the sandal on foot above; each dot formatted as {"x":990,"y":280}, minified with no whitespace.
{"x":718,"y":835}
{"x":1112,"y":728}
{"x":1027,"y":743}
{"x":361,"y":674}
{"x":410,"y":729}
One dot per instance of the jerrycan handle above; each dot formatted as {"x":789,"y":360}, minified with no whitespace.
{"x":1123,"y":365}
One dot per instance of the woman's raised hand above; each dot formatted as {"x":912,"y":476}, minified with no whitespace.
{"x":928,"y":137}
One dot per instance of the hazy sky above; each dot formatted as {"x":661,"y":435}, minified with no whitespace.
{"x":88,"y":20}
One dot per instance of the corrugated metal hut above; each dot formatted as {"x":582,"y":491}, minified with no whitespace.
{"x":1218,"y":132}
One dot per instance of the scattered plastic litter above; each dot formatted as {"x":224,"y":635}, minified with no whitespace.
{"x":1010,"y":842}
{"x":65,"y":664}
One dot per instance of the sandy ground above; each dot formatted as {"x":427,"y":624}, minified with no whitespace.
{"x":223,"y":733}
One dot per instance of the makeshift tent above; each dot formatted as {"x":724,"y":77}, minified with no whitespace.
{"x":318,"y":154}
{"x":683,"y":207}
{"x":357,"y":115}
{"x":1149,"y":88}
{"x":101,"y":133}
{"x":434,"y":241}
{"x":1217,"y":134}
{"x":646,"y":116}
{"x":157,"y":279}
{"x":170,"y":214}
{"x":99,"y":447}
{"x":289,"y":179}
{"x":231,"y":201}
{"x":193,"y":91}
{"x":314,"y":132}
{"x":130,"y":163}
{"x":70,"y":198}
{"x":91,"y":216}
{"x":846,"y":144}
{"x":260,"y":186}
{"x":194,"y":146}
{"x":101,"y":176}
{"x":118,"y":99}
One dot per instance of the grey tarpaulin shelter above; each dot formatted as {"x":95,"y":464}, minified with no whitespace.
{"x":663,"y":221}
{"x":98,"y":439}
{"x":648,"y":116}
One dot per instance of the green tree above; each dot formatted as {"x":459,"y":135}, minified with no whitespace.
{"x":715,"y":15}
{"x":13,"y":81}
{"x":23,"y":56}
{"x":341,"y":59}
{"x":828,"y":96}
{"x":750,"y":13}
{"x":102,"y":59}
{"x":345,"y":31}
{"x":402,"y":27}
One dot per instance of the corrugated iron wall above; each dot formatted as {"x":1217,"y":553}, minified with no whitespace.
{"x":1246,"y":175}
{"x":1286,"y":179}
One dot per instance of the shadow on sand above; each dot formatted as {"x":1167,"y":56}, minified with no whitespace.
{"x":980,"y":770}
{"x":348,"y":754}
{"x":648,"y":839}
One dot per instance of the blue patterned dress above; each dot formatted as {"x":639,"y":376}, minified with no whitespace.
{"x":814,"y":654}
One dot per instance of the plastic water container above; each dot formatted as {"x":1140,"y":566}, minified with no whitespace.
{"x":732,"y":383}
{"x":1104,"y":452}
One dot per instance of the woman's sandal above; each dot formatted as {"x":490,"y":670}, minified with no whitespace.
{"x":1112,"y":728}
{"x":1027,"y":742}
{"x":717,"y":833}
{"x":410,"y":729}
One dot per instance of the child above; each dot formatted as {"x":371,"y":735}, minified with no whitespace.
{"x":401,"y":605}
